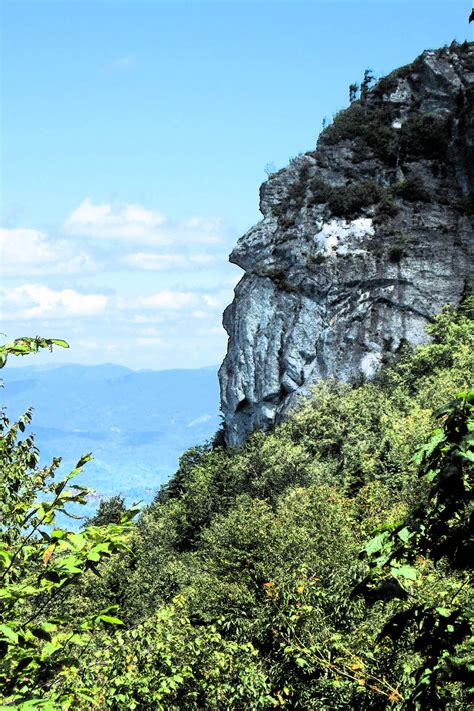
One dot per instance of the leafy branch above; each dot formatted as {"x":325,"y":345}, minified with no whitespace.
{"x":24,"y":346}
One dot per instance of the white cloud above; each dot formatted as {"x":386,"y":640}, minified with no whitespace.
{"x":36,"y":300}
{"x":113,"y":221}
{"x":200,"y":420}
{"x":151,"y":261}
{"x":123,"y":282}
{"x":202,"y":259}
{"x":135,"y":223}
{"x":27,"y":251}
{"x":211,"y":301}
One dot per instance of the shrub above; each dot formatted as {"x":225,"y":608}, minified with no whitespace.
{"x":318,"y":258}
{"x":437,"y":627}
{"x":110,"y":510}
{"x":412,"y":190}
{"x":385,"y":209}
{"x":167,"y":663}
{"x":320,"y":191}
{"x":369,"y":126}
{"x":346,"y":200}
{"x":350,"y":200}
{"x":425,"y":136}
{"x":397,"y":249}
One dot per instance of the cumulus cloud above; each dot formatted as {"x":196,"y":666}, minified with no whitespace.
{"x":211,"y":301}
{"x":37,"y":300}
{"x":120,"y":276}
{"x":113,"y":221}
{"x":126,"y":221}
{"x":27,"y":251}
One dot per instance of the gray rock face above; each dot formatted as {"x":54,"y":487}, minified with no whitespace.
{"x":362,"y":241}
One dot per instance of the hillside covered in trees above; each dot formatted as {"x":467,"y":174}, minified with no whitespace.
{"x":325,"y":564}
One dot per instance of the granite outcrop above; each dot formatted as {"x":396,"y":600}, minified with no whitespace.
{"x":362,"y":241}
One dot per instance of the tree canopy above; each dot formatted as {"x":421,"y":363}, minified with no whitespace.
{"x":324,"y":565}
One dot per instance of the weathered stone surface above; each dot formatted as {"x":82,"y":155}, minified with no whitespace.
{"x":362,"y":241}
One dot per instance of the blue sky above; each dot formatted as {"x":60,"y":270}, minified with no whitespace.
{"x":134,"y":138}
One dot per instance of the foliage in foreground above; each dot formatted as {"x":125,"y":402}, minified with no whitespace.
{"x":438,"y":531}
{"x":322,"y":566}
{"x":25,"y":346}
{"x":40,"y":642}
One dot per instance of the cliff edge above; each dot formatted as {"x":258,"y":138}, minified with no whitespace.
{"x":362,"y":241}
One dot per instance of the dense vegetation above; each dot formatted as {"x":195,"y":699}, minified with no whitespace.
{"x":325,"y":565}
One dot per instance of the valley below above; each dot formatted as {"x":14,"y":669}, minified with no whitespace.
{"x":136,"y":424}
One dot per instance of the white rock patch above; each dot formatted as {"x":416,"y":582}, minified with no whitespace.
{"x":370,"y":363}
{"x":343,"y":235}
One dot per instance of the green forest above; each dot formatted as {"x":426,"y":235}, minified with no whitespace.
{"x":326,"y":564}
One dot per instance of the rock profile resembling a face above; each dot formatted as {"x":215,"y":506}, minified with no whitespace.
{"x":362,"y":242}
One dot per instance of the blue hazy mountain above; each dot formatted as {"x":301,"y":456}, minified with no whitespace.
{"x":135,"y":423}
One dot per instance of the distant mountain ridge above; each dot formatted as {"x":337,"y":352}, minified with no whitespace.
{"x":135,"y":423}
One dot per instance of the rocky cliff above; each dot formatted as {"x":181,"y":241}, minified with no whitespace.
{"x":362,"y":241}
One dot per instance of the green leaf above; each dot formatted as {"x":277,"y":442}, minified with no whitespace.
{"x":405,"y":571}
{"x":376,"y":544}
{"x":110,"y":620}
{"x":77,"y":540}
{"x":6,"y":557}
{"x":9,"y":633}
{"x":50,"y":648}
{"x":70,"y":565}
{"x":405,"y":534}
{"x":83,"y":460}
{"x":57,"y":533}
{"x":60,"y":342}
